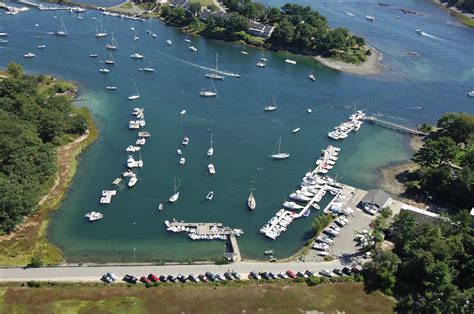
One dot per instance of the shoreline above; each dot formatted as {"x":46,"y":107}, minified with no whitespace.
{"x":370,"y":67}
{"x":465,"y":18}
{"x":30,"y":238}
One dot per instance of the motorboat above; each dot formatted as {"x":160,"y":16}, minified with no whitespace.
{"x":148,"y":69}
{"x":94,"y":216}
{"x":93,"y":55}
{"x":132,"y":181}
{"x":182,"y":161}
{"x":104,"y":70}
{"x":29,"y":55}
{"x":290,"y":61}
{"x":160,"y":206}
{"x":192,"y":48}
{"x":296,"y":130}
{"x":179,"y":152}
{"x":136,"y":56}
{"x":299,"y":197}
{"x":169,"y":42}
{"x":309,"y":110}
{"x":312,"y":77}
{"x":350,"y":14}
{"x":292,"y":205}
{"x":210,"y":195}
{"x":133,"y":148}
{"x":277,"y":154}
{"x":3,"y":41}
{"x":182,"y":112}
{"x":210,"y":151}
{"x":272,"y":107}
{"x":3,"y":34}
{"x":111,"y":87}
{"x":185,"y":141}
{"x":370,"y":18}
{"x":471,"y":93}
{"x":41,"y":47}
{"x":211,"y":169}
{"x":187,"y":40}
{"x":261,"y":64}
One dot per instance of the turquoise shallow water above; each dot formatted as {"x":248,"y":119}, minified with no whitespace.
{"x":244,"y":135}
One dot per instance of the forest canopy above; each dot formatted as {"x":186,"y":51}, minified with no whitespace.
{"x":36,"y":115}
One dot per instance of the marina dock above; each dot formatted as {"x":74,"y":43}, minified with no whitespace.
{"x":394,"y":126}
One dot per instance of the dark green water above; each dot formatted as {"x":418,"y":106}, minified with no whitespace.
{"x":244,"y":135}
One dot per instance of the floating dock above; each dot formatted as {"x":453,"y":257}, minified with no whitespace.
{"x":107,"y":196}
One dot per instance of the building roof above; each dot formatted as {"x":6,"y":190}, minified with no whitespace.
{"x":178,"y":3}
{"x":419,"y":211}
{"x":376,"y":197}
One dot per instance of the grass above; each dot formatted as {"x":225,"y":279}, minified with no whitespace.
{"x":126,"y":5}
{"x":30,"y":239}
{"x":203,"y":3}
{"x":283,"y":297}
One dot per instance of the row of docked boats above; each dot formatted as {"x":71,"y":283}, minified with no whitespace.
{"x":342,"y":131}
{"x":132,"y":163}
{"x":212,"y":232}
{"x":311,"y":190}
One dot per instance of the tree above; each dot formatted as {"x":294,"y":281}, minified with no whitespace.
{"x":436,"y":152}
{"x":458,"y":126}
{"x":379,"y":274}
{"x":237,"y":23}
{"x":194,"y":8}
{"x":403,"y":227}
{"x":283,"y":34}
{"x":15,"y":70}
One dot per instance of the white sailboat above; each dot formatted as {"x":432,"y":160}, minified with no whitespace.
{"x":136,"y":96}
{"x":243,"y":50}
{"x":214,"y":75}
{"x":110,"y":60}
{"x":311,"y":76}
{"x":113,"y":44}
{"x":271,"y":107}
{"x":210,"y":151}
{"x":251,"y":202}
{"x":175,"y":196}
{"x":209,"y":93}
{"x":63,"y":31}
{"x":101,"y":33}
{"x":279,"y":154}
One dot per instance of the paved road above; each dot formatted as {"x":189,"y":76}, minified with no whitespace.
{"x":93,"y":273}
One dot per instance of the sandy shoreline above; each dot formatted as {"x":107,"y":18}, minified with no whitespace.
{"x":369,"y":67}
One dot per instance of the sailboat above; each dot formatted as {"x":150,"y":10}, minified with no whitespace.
{"x":262,"y":58}
{"x":311,"y":76}
{"x":210,"y":151}
{"x":251,"y":202}
{"x":63,"y":31}
{"x":101,"y":33}
{"x":243,"y":51}
{"x":175,"y":196}
{"x":271,"y":107}
{"x":113,"y":44}
{"x":209,"y":93}
{"x":214,"y":75}
{"x":110,"y":60}
{"x":279,"y":154}
{"x":134,"y":97}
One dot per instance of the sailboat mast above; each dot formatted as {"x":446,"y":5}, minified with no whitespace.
{"x":279,"y":145}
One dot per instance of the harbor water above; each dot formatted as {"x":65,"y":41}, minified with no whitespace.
{"x":243,"y":134}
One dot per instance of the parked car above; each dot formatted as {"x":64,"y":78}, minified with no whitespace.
{"x":236,"y":275}
{"x":163,"y":278}
{"x":347,"y":271}
{"x":181,"y":278}
{"x":301,"y":275}
{"x":203,"y":278}
{"x":326,"y":273}
{"x":210,"y":276}
{"x":355,"y":270}
{"x":193,"y":278}
{"x":228,"y":275}
{"x":106,"y":278}
{"x":272,"y":259}
{"x":153,"y":278}
{"x":221,"y":277}
{"x":171,"y":278}
{"x":113,"y":276}
{"x":272,"y":275}
{"x":337,"y":271}
{"x":145,"y":280}
{"x":264,"y":275}
{"x":130,"y":279}
{"x":290,"y":273}
{"x":309,"y":273}
{"x":254,"y":275}
{"x":282,"y":275}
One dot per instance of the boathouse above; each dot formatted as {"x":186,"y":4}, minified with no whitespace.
{"x":376,"y":198}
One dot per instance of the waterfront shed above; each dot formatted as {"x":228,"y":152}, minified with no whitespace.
{"x":376,"y":198}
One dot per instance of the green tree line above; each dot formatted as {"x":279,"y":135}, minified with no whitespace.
{"x":446,"y":162}
{"x":465,"y":5}
{"x":297,"y":28}
{"x":34,"y":118}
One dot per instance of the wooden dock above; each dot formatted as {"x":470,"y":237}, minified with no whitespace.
{"x":235,"y":247}
{"x":394,"y":126}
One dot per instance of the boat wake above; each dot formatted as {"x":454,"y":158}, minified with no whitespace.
{"x":231,"y":74}
{"x":430,"y":36}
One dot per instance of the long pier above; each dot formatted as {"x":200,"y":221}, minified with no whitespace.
{"x":394,"y":126}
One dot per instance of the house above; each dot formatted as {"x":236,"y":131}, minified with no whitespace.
{"x":375,"y":200}
{"x":178,"y":3}
{"x":260,"y":30}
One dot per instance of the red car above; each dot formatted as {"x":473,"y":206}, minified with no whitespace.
{"x":290,"y":273}
{"x":145,"y":280}
{"x":153,"y":278}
